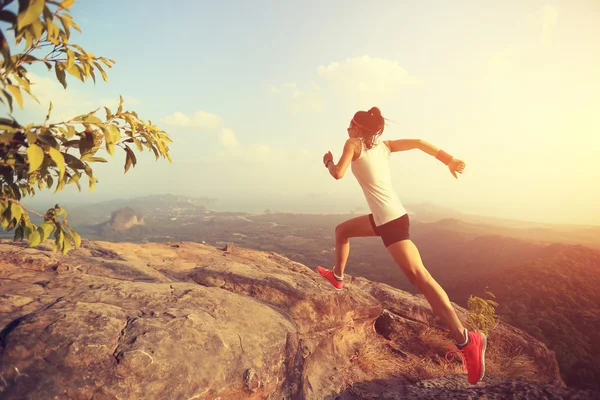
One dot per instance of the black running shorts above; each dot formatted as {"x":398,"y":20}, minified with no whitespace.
{"x":393,"y":231}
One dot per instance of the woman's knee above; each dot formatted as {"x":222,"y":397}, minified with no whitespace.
{"x":419,"y":277}
{"x":341,"y":233}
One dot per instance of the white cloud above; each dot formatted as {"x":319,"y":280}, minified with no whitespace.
{"x":301,"y":100}
{"x":367,"y":78}
{"x":228,"y":138}
{"x":549,"y":18}
{"x":201,"y":120}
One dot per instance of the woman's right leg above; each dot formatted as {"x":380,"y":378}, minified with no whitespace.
{"x":355,"y":227}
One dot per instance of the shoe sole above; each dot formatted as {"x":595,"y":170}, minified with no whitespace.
{"x":483,"y":357}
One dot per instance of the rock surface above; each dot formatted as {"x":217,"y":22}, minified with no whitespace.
{"x":190,"y":321}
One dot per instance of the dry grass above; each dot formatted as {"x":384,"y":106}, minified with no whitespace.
{"x":507,"y":361}
{"x":382,"y":359}
{"x":434,"y":341}
{"x":421,"y":355}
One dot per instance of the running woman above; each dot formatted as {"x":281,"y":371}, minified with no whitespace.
{"x":369,"y":159}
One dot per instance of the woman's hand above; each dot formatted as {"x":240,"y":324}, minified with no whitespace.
{"x":327,"y":157}
{"x":455,"y":166}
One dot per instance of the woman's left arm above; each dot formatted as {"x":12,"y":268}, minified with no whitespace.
{"x":338,"y":170}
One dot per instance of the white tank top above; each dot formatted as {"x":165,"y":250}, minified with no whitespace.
{"x":372,"y":170}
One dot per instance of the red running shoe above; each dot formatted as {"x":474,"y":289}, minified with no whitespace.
{"x":328,"y":274}
{"x":473,"y":357}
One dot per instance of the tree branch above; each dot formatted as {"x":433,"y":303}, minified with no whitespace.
{"x":22,"y":206}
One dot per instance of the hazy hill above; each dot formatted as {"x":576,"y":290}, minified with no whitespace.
{"x":556,"y":299}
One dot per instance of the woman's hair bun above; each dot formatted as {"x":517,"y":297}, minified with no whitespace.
{"x":374,"y":111}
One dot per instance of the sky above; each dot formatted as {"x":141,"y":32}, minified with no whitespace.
{"x":254,"y":93}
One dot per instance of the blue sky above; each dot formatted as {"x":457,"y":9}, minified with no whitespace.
{"x":254,"y":93}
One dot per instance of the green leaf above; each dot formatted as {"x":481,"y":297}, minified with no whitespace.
{"x":58,"y":238}
{"x":59,"y":160}
{"x":16,"y":211}
{"x":29,"y":228}
{"x":66,"y":245}
{"x":18,"y":233}
{"x":16,"y":92}
{"x":45,"y":230}
{"x":35,"y":238}
{"x":76,"y":239}
{"x":35,"y":157}
{"x":30,"y":14}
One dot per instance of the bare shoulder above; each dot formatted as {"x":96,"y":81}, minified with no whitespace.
{"x":352,"y":143}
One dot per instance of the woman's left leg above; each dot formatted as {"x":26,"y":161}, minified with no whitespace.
{"x":407,"y":256}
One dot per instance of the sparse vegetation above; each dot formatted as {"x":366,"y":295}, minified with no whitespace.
{"x":482,"y":312}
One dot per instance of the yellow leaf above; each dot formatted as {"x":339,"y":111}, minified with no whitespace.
{"x":71,"y":132}
{"x":104,"y":76}
{"x":32,"y":137}
{"x":75,"y":71}
{"x":16,"y":92}
{"x":138,"y":144}
{"x":70,"y":58}
{"x":67,"y":3}
{"x":76,"y":239}
{"x":38,"y":28}
{"x":92,"y":119}
{"x":59,"y":160}
{"x":30,"y":14}
{"x":35,"y":156}
{"x":116,"y":133}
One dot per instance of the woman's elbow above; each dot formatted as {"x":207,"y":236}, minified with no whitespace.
{"x":337,"y":174}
